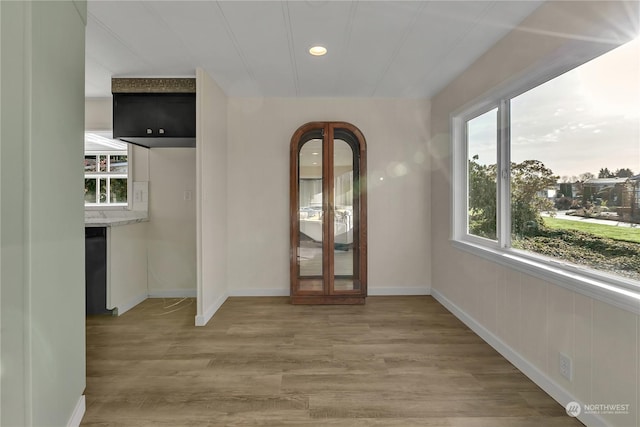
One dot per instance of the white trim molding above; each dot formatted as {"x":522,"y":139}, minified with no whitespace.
{"x":406,"y":291}
{"x":376,"y":291}
{"x":257,"y":292}
{"x":202,"y":320}
{"x":78,"y":413}
{"x":123,"y":308}
{"x":558,"y":393}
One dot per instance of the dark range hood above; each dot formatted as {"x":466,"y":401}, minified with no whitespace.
{"x":155,"y":113}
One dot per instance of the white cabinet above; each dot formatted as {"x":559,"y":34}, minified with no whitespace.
{"x":126,"y":266}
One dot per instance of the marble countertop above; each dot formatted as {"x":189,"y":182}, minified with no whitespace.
{"x":114,"y":218}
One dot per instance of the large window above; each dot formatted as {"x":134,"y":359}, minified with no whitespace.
{"x":106,"y":171}
{"x":551,"y":173}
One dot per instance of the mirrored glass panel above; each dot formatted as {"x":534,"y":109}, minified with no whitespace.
{"x":343,"y":218}
{"x":310,"y":254}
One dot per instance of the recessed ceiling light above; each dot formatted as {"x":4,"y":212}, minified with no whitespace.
{"x":318,"y":50}
{"x":315,"y":154}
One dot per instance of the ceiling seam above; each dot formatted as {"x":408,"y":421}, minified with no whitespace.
{"x":92,"y":58}
{"x":353,"y":9}
{"x":292,"y":51}
{"x":159,"y":17}
{"x":106,"y":28}
{"x":396,"y":51}
{"x":235,"y":42}
{"x":455,"y":44}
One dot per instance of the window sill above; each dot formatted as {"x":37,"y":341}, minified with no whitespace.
{"x":593,"y":287}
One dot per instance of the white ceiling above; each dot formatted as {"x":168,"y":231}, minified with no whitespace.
{"x":259,"y":48}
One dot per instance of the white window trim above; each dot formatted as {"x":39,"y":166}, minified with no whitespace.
{"x":128,"y":176}
{"x":601,"y":286}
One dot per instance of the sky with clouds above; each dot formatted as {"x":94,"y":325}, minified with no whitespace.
{"x":581,"y":121}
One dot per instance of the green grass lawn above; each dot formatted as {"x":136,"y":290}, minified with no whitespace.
{"x":626,"y":234}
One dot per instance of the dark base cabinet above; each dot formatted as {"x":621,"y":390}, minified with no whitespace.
{"x":95,"y":241}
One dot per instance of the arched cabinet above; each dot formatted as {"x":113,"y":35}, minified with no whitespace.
{"x":328,"y":209}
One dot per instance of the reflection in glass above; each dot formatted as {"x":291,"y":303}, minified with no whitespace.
{"x":118,"y":190}
{"x":103,"y":190}
{"x":118,"y":163}
{"x":343,"y":215}
{"x":90,"y":190}
{"x":90,"y":164}
{"x":482,"y":142}
{"x":310,"y":214}
{"x":103,"y":163}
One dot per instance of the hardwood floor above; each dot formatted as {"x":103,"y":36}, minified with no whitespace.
{"x":396,"y":361}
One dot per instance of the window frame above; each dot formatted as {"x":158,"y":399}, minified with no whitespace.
{"x":615,"y":290}
{"x":108,"y":175}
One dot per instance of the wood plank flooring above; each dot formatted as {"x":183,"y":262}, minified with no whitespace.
{"x":396,"y":361}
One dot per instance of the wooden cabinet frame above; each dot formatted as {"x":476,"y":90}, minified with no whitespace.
{"x":326,"y":292}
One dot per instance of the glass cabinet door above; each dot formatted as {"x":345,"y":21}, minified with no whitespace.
{"x":345,"y":249}
{"x":310,"y":256}
{"x":328,"y":215}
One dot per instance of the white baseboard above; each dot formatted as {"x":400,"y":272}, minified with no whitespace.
{"x":173,"y":293}
{"x":78,"y":413}
{"x":553,"y":389}
{"x":248,"y":292}
{"x":421,"y":290}
{"x":123,"y":308}
{"x":202,"y":320}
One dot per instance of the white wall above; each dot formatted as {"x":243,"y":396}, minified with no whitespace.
{"x":140,"y":163}
{"x":171,"y":230}
{"x":98,"y":114}
{"x":211,"y":173}
{"x":527,"y":318}
{"x":243,"y":164}
{"x":42,"y":222}
{"x":127,"y":266}
{"x":260,"y":132}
